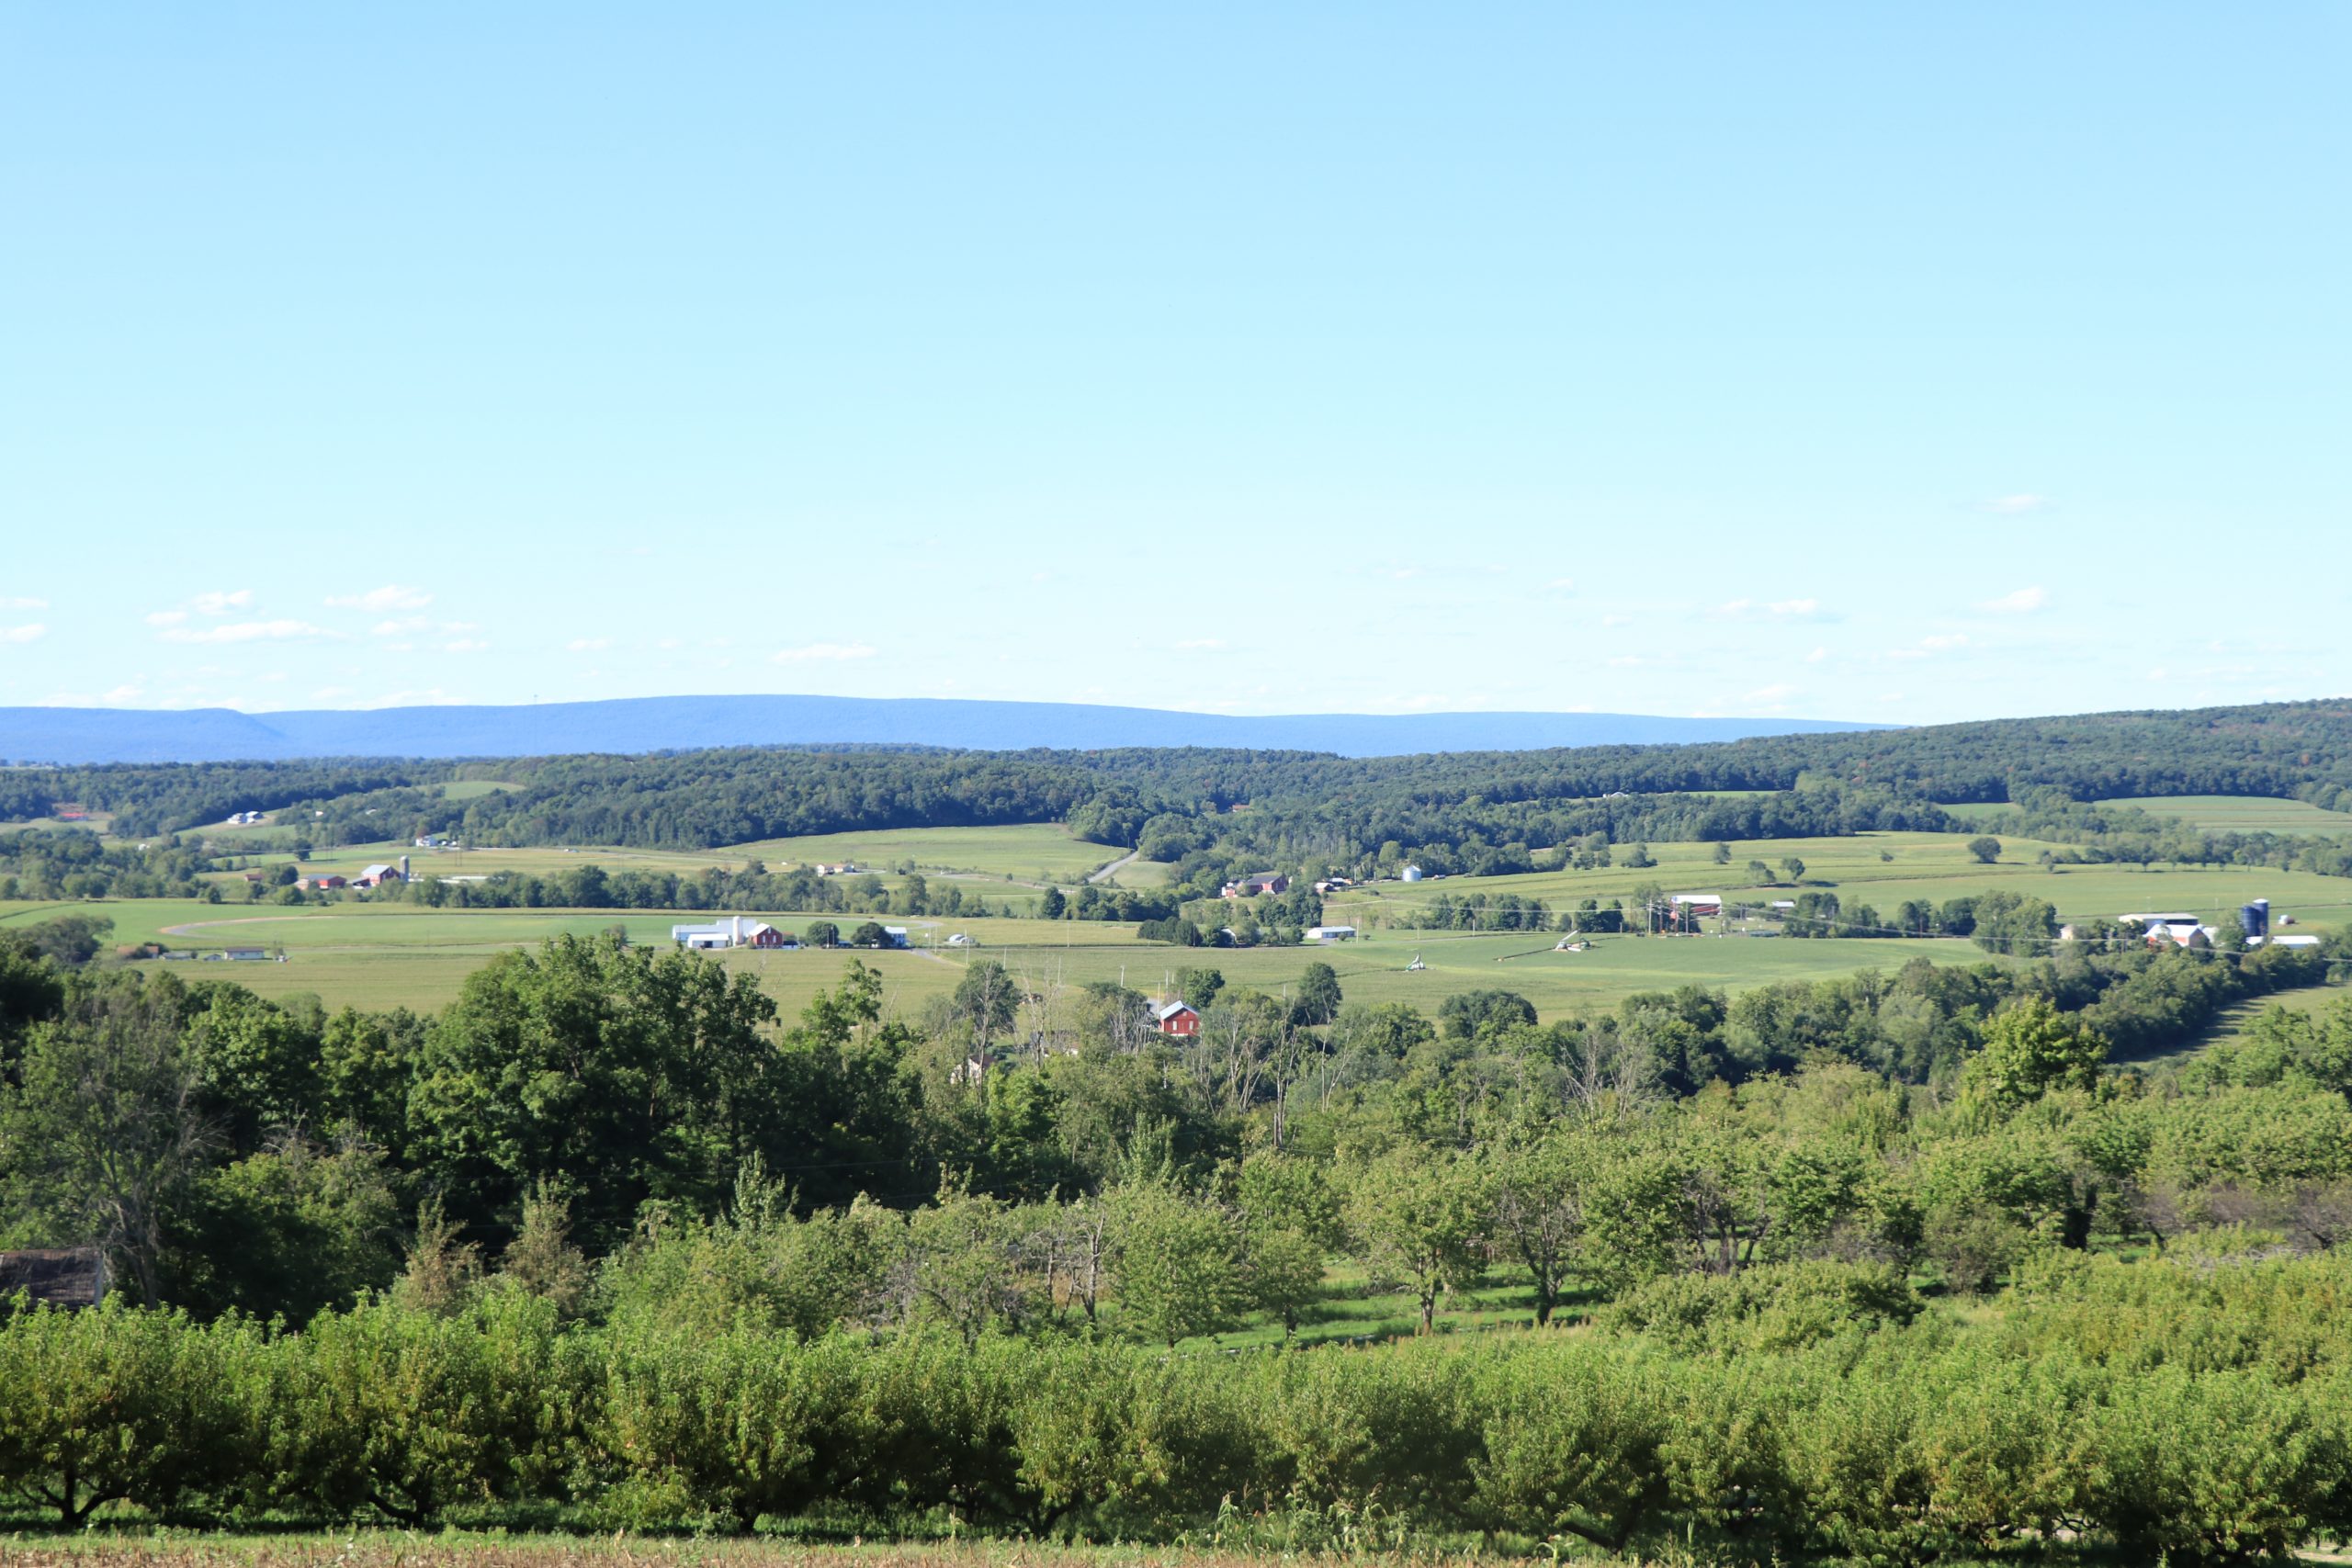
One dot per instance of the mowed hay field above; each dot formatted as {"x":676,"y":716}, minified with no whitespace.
{"x":1883,"y":870}
{"x":380,"y":955}
{"x":2244,"y":814}
{"x":389,"y":956}
{"x":1041,"y":852}
{"x":1030,"y":856}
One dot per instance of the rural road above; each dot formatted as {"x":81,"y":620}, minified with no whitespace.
{"x":1114,"y":867}
{"x":195,"y":926}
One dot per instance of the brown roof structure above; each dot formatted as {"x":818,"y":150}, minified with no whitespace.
{"x":55,"y":1276}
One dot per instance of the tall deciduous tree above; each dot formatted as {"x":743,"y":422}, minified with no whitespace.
{"x":2031,"y":1049}
{"x":1419,"y":1224}
{"x":105,"y":1132}
{"x":627,"y":1073}
{"x":1178,"y":1263}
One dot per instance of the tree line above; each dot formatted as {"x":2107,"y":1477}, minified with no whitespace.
{"x":1483,"y":813}
{"x":234,"y":1152}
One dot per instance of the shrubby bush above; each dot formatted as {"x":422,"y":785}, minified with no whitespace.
{"x":2197,"y":1412}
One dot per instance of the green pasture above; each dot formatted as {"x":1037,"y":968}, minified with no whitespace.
{"x":1883,"y":870}
{"x":2244,"y":814}
{"x":371,"y":954}
{"x":2211,"y":813}
{"x":348,"y":860}
{"x":474,"y":789}
{"x":97,"y":822}
{"x":383,"y":954}
{"x":1377,"y":969}
{"x":1016,"y":858}
{"x":2231,"y":1022}
{"x":1041,"y":852}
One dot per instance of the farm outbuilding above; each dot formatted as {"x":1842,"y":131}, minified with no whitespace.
{"x":733,"y":931}
{"x":55,"y":1276}
{"x":1331,"y":933}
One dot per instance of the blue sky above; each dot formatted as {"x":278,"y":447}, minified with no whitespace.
{"x":1888,"y":363}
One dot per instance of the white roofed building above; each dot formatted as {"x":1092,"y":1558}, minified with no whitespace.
{"x":733,"y":931}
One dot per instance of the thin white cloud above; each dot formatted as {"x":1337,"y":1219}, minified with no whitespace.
{"x":391,"y":596}
{"x":2024,"y":602}
{"x":1561,"y":585}
{"x":32,"y":631}
{"x":2015,"y":505}
{"x":1777,"y":691}
{"x":122,"y":694}
{"x":466,"y":645}
{"x":589,"y":644}
{"x":21,"y":602}
{"x":1616,"y":620}
{"x":1781,"y":609}
{"x":247,"y":631}
{"x":1816,"y":656}
{"x":222,"y":604}
{"x":821,"y":650}
{"x":1945,"y":642}
{"x":165,"y":617}
{"x":1201,"y":642}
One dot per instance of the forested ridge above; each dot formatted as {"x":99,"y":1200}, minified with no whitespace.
{"x":1179,"y":801}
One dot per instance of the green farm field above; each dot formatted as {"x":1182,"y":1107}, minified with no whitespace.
{"x":1031,"y":856}
{"x":2245,"y":814}
{"x":370,"y":954}
{"x":1930,"y":866}
{"x":2210,"y":813}
{"x":398,"y":954}
{"x":1039,"y":851}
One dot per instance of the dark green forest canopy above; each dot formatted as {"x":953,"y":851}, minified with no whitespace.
{"x":1179,"y":801}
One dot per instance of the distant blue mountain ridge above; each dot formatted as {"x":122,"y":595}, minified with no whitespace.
{"x":675,"y":724}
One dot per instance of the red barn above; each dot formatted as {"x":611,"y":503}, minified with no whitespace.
{"x":1176,"y":1018}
